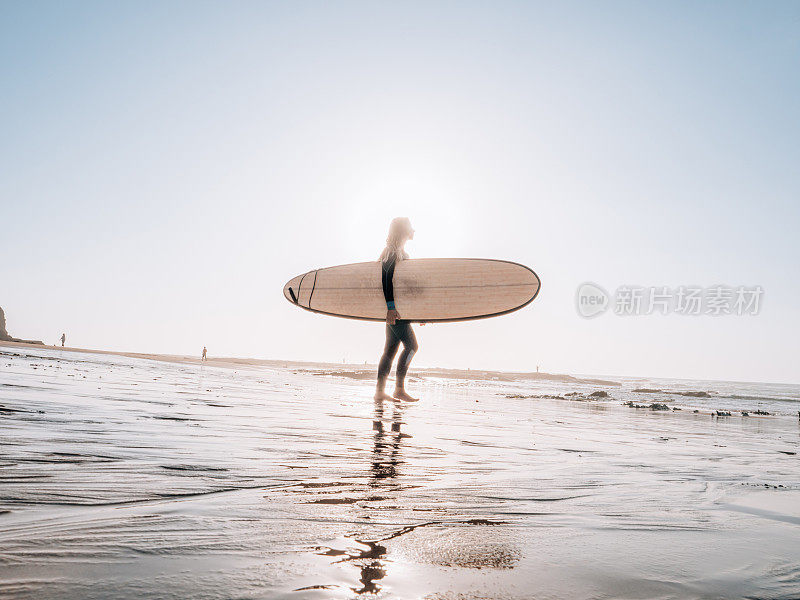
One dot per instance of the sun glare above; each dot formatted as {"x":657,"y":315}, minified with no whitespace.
{"x":433,"y":206}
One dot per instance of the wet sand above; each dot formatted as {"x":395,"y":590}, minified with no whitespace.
{"x":123,"y":477}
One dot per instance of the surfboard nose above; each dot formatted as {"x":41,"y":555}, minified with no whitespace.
{"x":291,"y":291}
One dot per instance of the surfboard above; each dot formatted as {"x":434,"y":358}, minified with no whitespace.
{"x":426,"y":290}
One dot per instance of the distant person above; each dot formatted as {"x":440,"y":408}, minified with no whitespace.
{"x":397,"y":330}
{"x":63,"y":339}
{"x":204,"y":353}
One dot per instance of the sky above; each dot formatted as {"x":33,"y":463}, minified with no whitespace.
{"x":166,"y":167}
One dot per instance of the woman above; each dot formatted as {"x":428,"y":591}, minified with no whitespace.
{"x":397,"y":330}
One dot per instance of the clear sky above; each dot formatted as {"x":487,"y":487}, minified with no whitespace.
{"x":166,"y":167}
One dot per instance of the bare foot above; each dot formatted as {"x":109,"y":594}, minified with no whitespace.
{"x":381,"y":395}
{"x":403,"y":395}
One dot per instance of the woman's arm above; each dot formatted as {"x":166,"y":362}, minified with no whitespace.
{"x":387,"y":274}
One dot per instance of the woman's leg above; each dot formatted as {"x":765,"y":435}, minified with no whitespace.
{"x":385,"y":365}
{"x":410,"y":347}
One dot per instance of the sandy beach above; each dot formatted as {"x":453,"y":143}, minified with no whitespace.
{"x":127,"y":477}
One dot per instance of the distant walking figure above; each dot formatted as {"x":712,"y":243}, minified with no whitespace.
{"x":63,"y":339}
{"x":204,"y":353}
{"x":397,"y":330}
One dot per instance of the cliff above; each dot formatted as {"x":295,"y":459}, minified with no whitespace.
{"x":4,"y":335}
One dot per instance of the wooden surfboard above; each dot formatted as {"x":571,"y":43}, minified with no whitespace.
{"x":426,"y":290}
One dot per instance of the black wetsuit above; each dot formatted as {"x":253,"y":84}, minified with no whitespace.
{"x":395,"y":334}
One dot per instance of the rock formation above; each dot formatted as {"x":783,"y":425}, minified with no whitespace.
{"x":5,"y":337}
{"x":3,"y":333}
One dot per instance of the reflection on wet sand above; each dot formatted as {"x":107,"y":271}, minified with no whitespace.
{"x":384,"y":467}
{"x":125,"y":478}
{"x":385,"y":460}
{"x":386,"y":447}
{"x":372,"y":569}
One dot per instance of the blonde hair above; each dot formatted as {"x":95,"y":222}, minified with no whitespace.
{"x":399,"y":232}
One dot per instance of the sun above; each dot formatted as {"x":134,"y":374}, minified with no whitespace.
{"x":432,"y":205}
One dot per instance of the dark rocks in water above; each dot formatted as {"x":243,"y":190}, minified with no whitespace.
{"x":361,"y":375}
{"x":647,"y":391}
{"x":760,"y":412}
{"x":4,"y":335}
{"x":745,"y":413}
{"x":722,"y":413}
{"x":653,"y":406}
{"x":567,"y":396}
{"x":695,"y":394}
{"x":525,"y":396}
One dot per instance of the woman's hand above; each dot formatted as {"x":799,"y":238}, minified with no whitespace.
{"x":392,"y":316}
